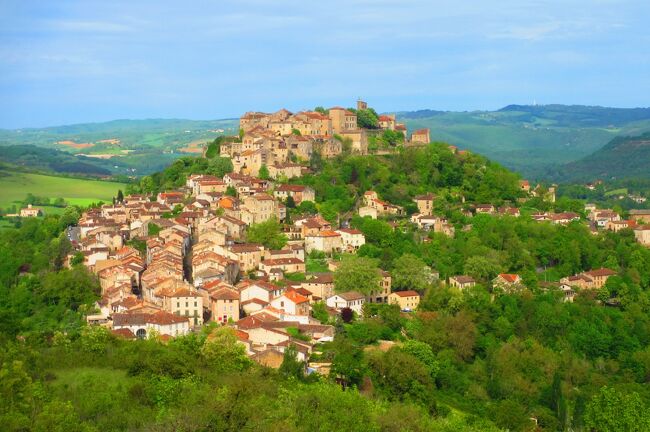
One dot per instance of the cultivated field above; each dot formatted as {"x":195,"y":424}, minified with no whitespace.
{"x":14,"y":187}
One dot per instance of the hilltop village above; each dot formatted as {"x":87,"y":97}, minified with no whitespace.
{"x":282,"y":139}
{"x":171,"y":263}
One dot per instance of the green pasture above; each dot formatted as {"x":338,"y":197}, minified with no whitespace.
{"x":14,"y":187}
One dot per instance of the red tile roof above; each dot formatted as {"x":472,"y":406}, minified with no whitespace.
{"x":601,"y":272}
{"x":508,"y":277}
{"x":409,"y":293}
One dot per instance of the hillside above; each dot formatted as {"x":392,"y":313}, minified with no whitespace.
{"x":485,"y":357}
{"x":15,"y":185}
{"x":622,"y":157}
{"x":53,"y":160}
{"x":532,"y":139}
{"x":121,"y":146}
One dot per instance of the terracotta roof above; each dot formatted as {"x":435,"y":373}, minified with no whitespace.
{"x":245,"y":247}
{"x":256,"y":301}
{"x":259,"y":283}
{"x":326,"y":234}
{"x":601,"y":272}
{"x":508,"y":277}
{"x":350,"y":231}
{"x":291,"y":188}
{"x":254,"y":321}
{"x":295,"y":297}
{"x":160,"y":318}
{"x":282,"y":261}
{"x":124,"y":333}
{"x":184,"y":292}
{"x":409,"y":293}
{"x":225,"y":294}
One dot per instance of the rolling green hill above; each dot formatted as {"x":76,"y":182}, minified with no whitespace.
{"x":131,"y":147}
{"x":536,"y":140}
{"x":15,"y":185}
{"x":531,"y":139}
{"x":45,"y":159}
{"x":623,"y":157}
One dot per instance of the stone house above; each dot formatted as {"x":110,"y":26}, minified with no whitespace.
{"x":406,"y":300}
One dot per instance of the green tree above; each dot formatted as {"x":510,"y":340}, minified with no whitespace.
{"x":58,"y":416}
{"x":94,"y":339}
{"x":402,"y":376}
{"x":231,"y":191}
{"x":319,"y":311}
{"x":223,"y":352}
{"x":357,"y":274}
{"x":348,"y":362}
{"x":316,"y":161}
{"x":613,"y":411}
{"x":264,"y":173}
{"x":410,"y":273}
{"x":120,"y":196}
{"x":69,"y":217}
{"x":481,"y":268}
{"x":16,"y":393}
{"x":424,"y":353}
{"x":267,"y":233}
{"x":214,"y":147}
{"x":291,"y":367}
{"x":219,"y":166}
{"x":153,"y":229}
{"x":367,"y":119}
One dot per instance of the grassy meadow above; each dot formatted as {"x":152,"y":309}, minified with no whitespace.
{"x":14,"y":187}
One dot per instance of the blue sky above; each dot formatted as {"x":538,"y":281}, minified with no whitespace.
{"x":65,"y":62}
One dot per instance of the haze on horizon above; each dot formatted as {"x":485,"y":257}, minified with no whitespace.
{"x":76,"y":61}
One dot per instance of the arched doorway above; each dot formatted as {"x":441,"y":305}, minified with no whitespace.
{"x":141,"y":333}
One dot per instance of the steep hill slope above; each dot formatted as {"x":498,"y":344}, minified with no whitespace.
{"x":53,"y":160}
{"x":622,"y":157}
{"x":532,"y":139}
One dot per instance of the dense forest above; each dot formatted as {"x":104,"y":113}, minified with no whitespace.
{"x":624,"y":157}
{"x":479,"y":359}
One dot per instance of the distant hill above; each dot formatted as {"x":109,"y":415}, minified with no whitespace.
{"x":53,"y":160}
{"x":532,"y":139}
{"x":122,"y":146}
{"x":536,"y":140}
{"x":579,"y":115}
{"x":622,"y":157}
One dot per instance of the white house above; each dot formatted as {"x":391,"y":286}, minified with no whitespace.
{"x":352,"y":239}
{"x":260,"y":290}
{"x":350,"y":299}
{"x":292,"y":303}
{"x":141,"y":324}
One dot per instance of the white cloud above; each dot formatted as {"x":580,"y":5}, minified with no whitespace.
{"x":89,"y":26}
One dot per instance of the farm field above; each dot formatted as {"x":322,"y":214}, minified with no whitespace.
{"x":14,"y":187}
